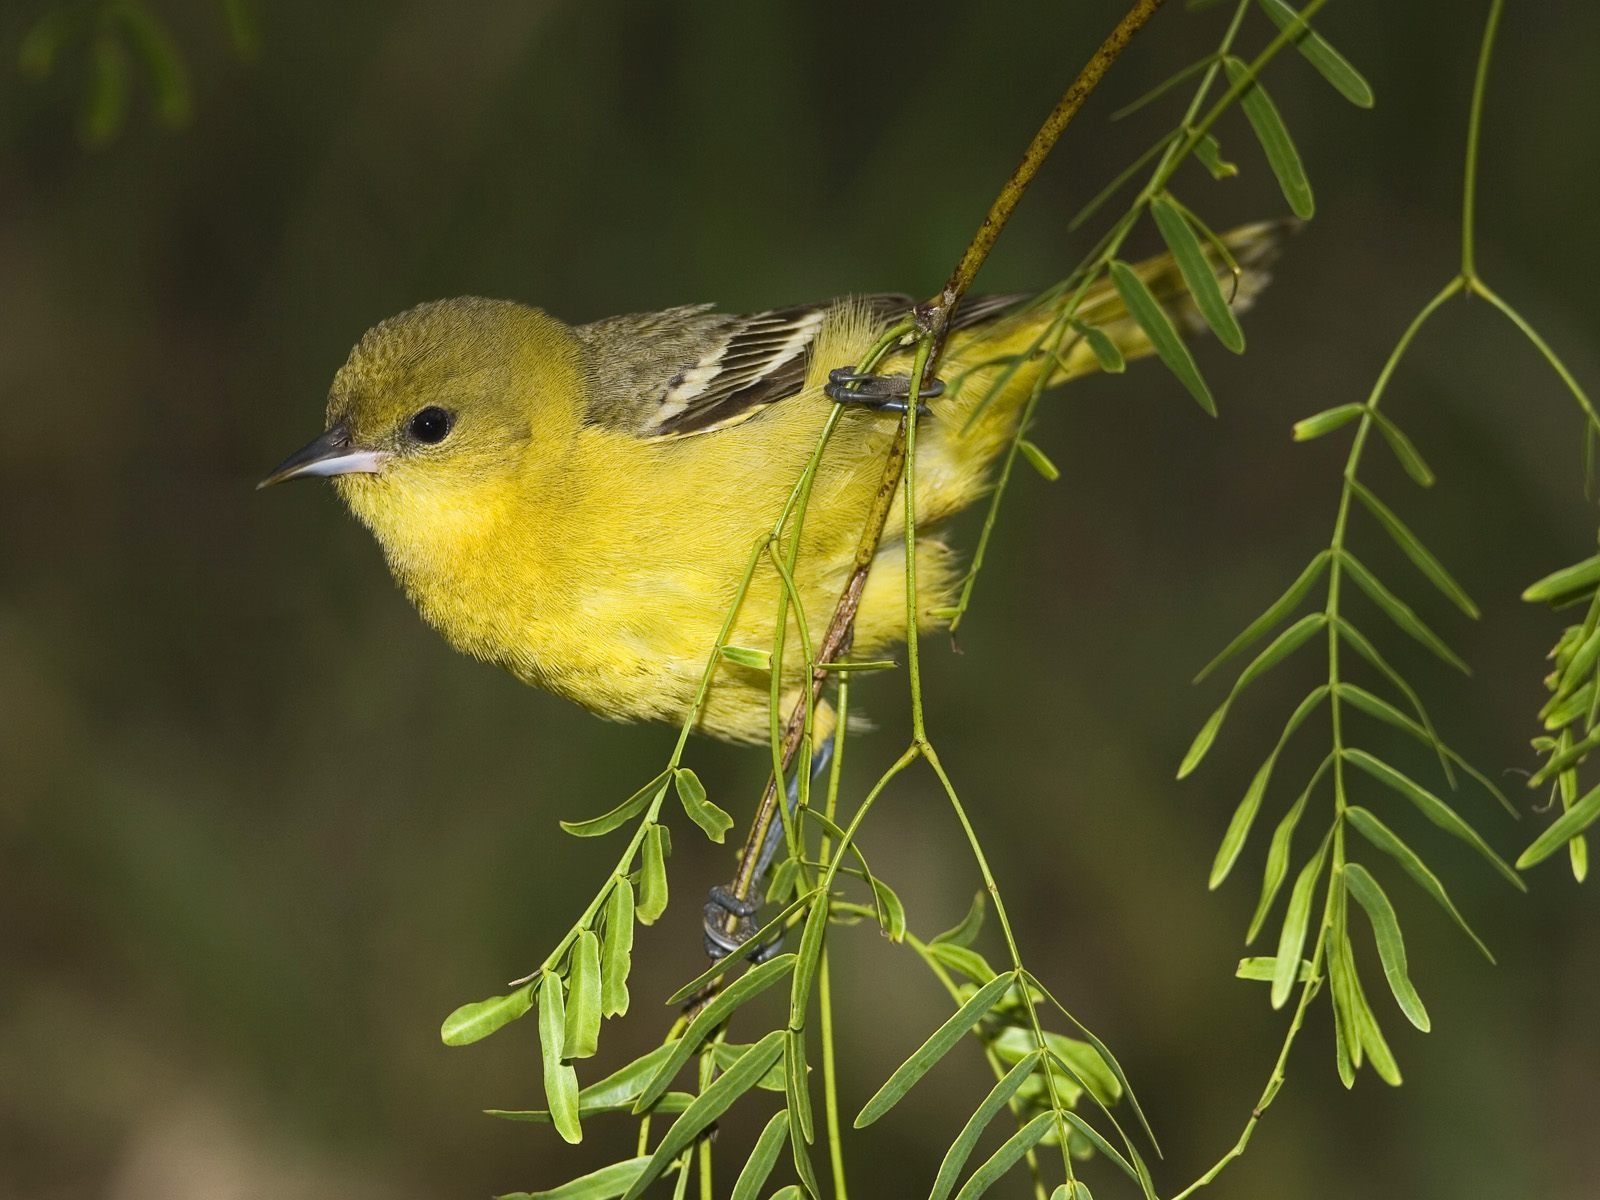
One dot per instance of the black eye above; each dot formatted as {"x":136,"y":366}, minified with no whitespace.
{"x":431,"y":425}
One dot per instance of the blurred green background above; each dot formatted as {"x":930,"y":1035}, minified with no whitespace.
{"x":260,"y":829}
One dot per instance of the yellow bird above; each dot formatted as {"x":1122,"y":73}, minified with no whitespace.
{"x":578,"y":503}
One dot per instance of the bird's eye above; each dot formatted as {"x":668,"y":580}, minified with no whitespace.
{"x":431,"y":425}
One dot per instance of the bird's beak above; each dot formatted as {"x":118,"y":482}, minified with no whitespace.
{"x":331,"y":454}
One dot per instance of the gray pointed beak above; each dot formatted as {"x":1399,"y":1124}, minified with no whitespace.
{"x":331,"y":454}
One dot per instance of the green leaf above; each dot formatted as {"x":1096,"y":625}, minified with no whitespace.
{"x":1276,"y":612}
{"x":169,"y":78}
{"x":1208,"y":151}
{"x":583,"y":998}
{"x":960,"y":1150}
{"x":1039,"y":460}
{"x":1335,"y":68}
{"x":1416,"y":551}
{"x":626,"y":1084}
{"x":1568,"y":581}
{"x":1277,"y":866}
{"x":744,"y":656}
{"x":605,"y":1184}
{"x":1003,"y":1159}
{"x":716,"y":1010}
{"x":1265,"y":970}
{"x":1244,"y":816}
{"x":477,"y":1020}
{"x":935,"y":1048}
{"x":1358,"y":1015}
{"x":1435,"y":809}
{"x":1568,"y":825}
{"x":1381,"y":709}
{"x":1285,"y":644}
{"x":1292,"y":938}
{"x":1169,"y":347}
{"x":1410,"y":459}
{"x":666,"y":1103}
{"x":713,"y":822}
{"x":1326,"y":421}
{"x":1104,"y":348}
{"x":1380,"y":835}
{"x":1391,"y":945}
{"x":1197,"y":273}
{"x":560,"y":1080}
{"x":762,"y":1159}
{"x":1358,"y":641}
{"x":45,"y":39}
{"x":964,"y":932}
{"x":1401,"y":613}
{"x":652,"y":877}
{"x":617,"y":952}
{"x":1162,"y":88}
{"x":891,"y":913}
{"x":622,"y":813}
{"x":105,"y":103}
{"x":797,"y":1093}
{"x":1275,"y":141}
{"x":725,"y":1054}
{"x":965,"y":960}
{"x":808,"y":955}
{"x":759,"y":938}
{"x":708,"y":1106}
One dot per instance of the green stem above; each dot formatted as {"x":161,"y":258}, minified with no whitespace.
{"x":1469,"y":183}
{"x":830,"y":1081}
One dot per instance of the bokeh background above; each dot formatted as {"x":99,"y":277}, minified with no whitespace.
{"x":260,"y":829}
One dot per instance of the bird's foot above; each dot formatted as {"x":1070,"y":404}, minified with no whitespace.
{"x":724,"y":937}
{"x":881,"y":393}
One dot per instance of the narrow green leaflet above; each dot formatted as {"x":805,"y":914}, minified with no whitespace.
{"x":1198,"y":275}
{"x":583,"y":999}
{"x":560,"y":1080}
{"x":965,"y":960}
{"x":1419,"y":554}
{"x":1285,"y":644}
{"x":808,"y":956}
{"x":725,"y":1054}
{"x":1264,"y":970}
{"x":760,"y":937}
{"x":616,"y":957}
{"x":708,"y":1106}
{"x":1104,"y":347}
{"x":1380,"y":835}
{"x":1435,"y":809}
{"x":621,"y":814}
{"x":669,"y":1102}
{"x":1565,"y":583}
{"x":626,"y":1084}
{"x":477,"y":1020}
{"x":1325,"y":422}
{"x":1565,"y":827}
{"x":1276,"y":612}
{"x":1413,"y":462}
{"x":1275,"y":141}
{"x":891,"y":913}
{"x":1152,"y":318}
{"x":1003,"y":1159}
{"x":744,"y":656}
{"x":797,"y":1093}
{"x":1208,"y":152}
{"x":1391,"y":946}
{"x":999,"y":1096}
{"x":1401,"y":613}
{"x":965,"y":932}
{"x":1244,"y":816}
{"x":752,"y":983}
{"x":762,"y":1159}
{"x":605,"y":1184}
{"x":1334,"y":67}
{"x":713,"y":822}
{"x":652,"y":877}
{"x":1292,"y":938}
{"x":1277,"y":866}
{"x":1358,"y":641}
{"x":1161,"y":89}
{"x":932,"y":1050}
{"x":1039,"y":460}
{"x":1382,"y":710}
{"x":1366,"y":1025}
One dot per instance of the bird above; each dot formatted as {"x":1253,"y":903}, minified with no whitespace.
{"x":578,"y":503}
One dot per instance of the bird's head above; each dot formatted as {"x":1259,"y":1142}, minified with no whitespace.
{"x":439,"y":416}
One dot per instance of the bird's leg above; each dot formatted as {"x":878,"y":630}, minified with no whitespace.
{"x":881,"y":393}
{"x":728,"y":917}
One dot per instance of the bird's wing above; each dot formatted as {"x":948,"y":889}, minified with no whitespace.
{"x":691,"y":370}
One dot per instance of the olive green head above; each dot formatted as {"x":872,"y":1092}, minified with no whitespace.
{"x":439,"y":410}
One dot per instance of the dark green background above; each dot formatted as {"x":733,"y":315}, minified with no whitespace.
{"x":260,"y":830}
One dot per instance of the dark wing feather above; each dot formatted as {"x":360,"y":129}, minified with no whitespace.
{"x":690,"y":370}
